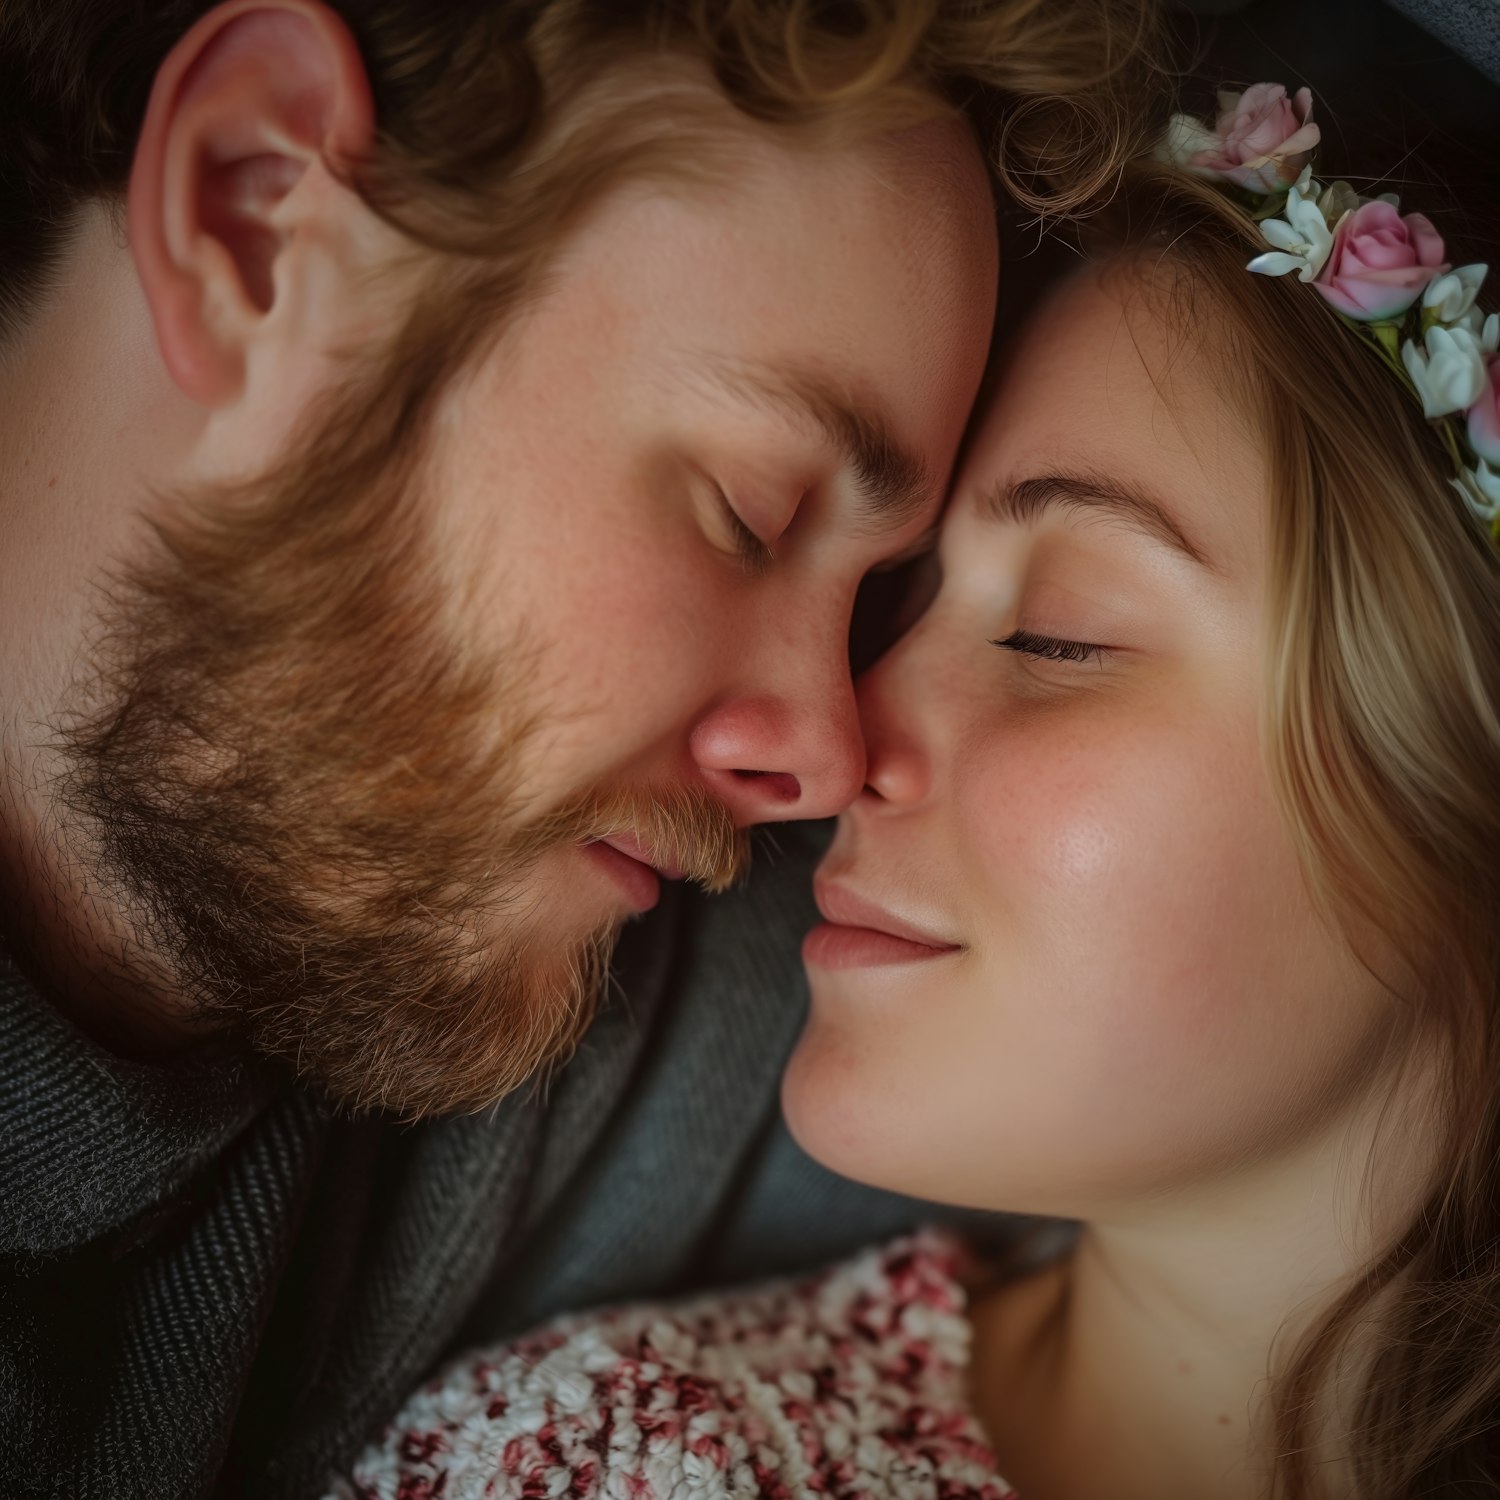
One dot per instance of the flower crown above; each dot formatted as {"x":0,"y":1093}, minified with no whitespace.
{"x":1383,"y":272}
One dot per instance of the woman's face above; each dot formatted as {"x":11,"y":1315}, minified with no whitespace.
{"x":1126,"y":989}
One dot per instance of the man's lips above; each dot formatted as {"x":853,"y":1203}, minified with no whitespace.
{"x":624,"y":858}
{"x":631,"y":848}
{"x":856,"y":933}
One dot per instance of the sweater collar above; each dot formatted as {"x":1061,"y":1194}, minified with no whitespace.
{"x":91,"y":1142}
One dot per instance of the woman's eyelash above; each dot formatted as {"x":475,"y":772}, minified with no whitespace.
{"x":1050,"y":648}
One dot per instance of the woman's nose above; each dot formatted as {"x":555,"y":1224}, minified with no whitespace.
{"x":898,"y":765}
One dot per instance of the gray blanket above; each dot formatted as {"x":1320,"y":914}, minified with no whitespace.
{"x":1470,"y":27}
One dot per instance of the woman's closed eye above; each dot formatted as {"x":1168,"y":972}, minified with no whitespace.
{"x":1051,"y":648}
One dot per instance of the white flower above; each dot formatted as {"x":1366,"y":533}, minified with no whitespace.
{"x":1480,"y":487}
{"x":1450,"y":375}
{"x":1338,"y":199}
{"x":1486,"y":330}
{"x":1449,"y":298}
{"x":1303,"y":240}
{"x":1183,"y":139}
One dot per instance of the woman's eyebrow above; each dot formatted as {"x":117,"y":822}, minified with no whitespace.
{"x":1023,"y":500}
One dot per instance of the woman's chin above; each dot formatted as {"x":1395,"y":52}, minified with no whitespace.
{"x":812,"y":1089}
{"x":846,"y":1122}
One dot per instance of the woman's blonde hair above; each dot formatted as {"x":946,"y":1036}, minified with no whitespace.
{"x":1382,"y":737}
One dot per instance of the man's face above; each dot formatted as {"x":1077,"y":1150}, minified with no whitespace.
{"x":611,"y":603}
{"x":677,"y":470}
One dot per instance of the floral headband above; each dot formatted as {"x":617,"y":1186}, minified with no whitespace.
{"x":1385,"y":273}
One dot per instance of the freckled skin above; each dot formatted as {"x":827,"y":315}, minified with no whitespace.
{"x":577,"y":539}
{"x":1145,"y":997}
{"x":565,"y":474}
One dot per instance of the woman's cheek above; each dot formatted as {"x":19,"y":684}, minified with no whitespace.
{"x":1113,"y":868}
{"x":1051,"y":827}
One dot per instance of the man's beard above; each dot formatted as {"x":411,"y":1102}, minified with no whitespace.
{"x":300,"y":788}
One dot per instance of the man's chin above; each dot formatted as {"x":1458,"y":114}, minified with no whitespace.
{"x":454,"y":1044}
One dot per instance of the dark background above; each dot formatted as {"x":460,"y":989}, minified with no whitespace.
{"x":1400,"y":112}
{"x":1395,"y":103}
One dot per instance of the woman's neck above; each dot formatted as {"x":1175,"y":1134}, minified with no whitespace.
{"x":1107,"y":1375}
{"x":1140,"y":1366}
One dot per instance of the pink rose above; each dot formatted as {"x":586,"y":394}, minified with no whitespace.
{"x":1380,"y":262}
{"x":1484,"y":415}
{"x":1263,"y":140}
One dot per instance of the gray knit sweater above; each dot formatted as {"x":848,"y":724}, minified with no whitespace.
{"x":211,"y":1285}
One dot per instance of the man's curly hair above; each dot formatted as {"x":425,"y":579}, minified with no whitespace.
{"x":469,"y":92}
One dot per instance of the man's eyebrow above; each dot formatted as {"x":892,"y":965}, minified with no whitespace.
{"x":1024,"y":500}
{"x":893,"y":483}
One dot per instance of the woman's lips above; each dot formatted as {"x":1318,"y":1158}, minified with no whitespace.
{"x":830,"y":945}
{"x":859,"y":934}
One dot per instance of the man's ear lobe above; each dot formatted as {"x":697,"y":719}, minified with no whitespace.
{"x":256,"y":95}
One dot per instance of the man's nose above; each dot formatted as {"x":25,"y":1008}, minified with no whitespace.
{"x":792,"y":753}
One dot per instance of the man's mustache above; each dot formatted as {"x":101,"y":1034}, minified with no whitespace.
{"x":684,"y":829}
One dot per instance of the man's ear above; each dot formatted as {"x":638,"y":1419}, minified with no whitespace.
{"x":258,"y":94}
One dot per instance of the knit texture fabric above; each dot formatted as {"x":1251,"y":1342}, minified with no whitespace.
{"x":202,"y":1217}
{"x":848,"y":1383}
